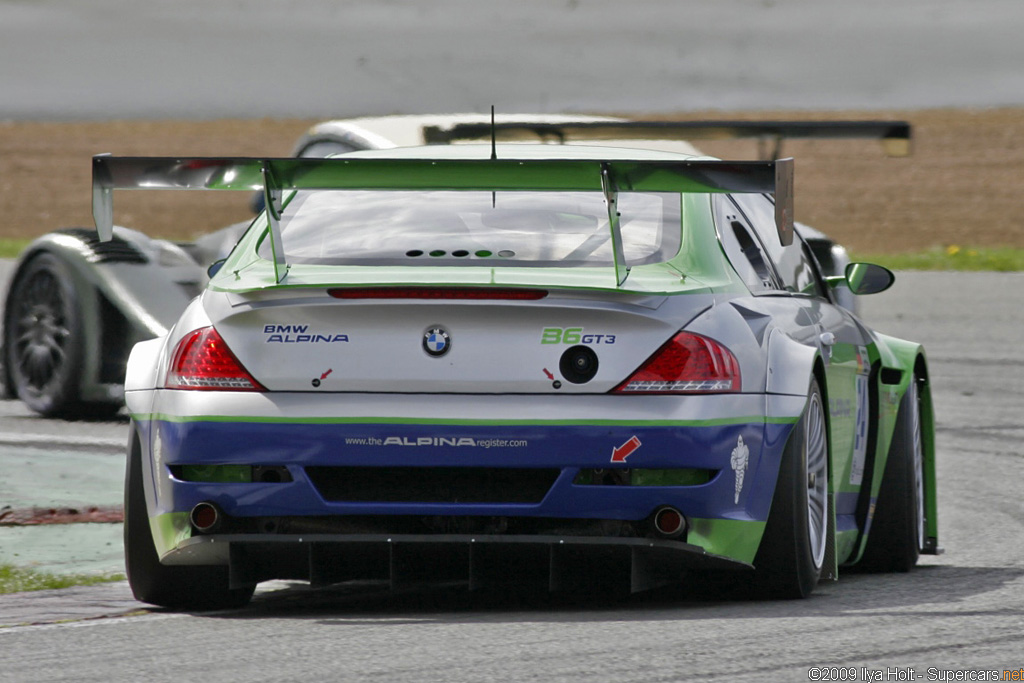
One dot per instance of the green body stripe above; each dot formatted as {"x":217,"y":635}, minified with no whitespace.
{"x":752,"y":419}
{"x":736,"y":539}
{"x":169,"y":531}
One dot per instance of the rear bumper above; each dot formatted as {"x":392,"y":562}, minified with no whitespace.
{"x":726,"y":513}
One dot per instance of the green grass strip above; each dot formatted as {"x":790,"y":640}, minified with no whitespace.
{"x":10,"y":248}
{"x":16,"y":580}
{"x":953,"y":257}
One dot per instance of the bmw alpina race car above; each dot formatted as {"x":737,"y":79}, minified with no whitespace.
{"x":543,"y":365}
{"x":76,"y":305}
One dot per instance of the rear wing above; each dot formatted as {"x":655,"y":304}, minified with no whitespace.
{"x":894,"y":135}
{"x":274,"y":176}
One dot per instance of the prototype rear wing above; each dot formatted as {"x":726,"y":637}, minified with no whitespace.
{"x":274,"y":176}
{"x":894,"y":135}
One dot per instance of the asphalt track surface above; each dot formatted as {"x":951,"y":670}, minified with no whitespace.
{"x":960,"y":611}
{"x":106,"y":59}
{"x":957,"y":612}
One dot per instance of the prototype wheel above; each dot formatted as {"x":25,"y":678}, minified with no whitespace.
{"x":178,"y":587}
{"x":43,"y":331}
{"x":45,"y":342}
{"x":792,"y":552}
{"x":897,"y":531}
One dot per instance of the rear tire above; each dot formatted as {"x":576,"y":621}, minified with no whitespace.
{"x":178,"y":587}
{"x":897,"y":531}
{"x":793,"y":549}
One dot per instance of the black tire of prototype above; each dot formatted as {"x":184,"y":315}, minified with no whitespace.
{"x":785,"y":566}
{"x":894,"y":540}
{"x":178,"y":587}
{"x":45,"y":294}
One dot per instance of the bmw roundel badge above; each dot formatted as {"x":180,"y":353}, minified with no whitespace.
{"x":436,"y":341}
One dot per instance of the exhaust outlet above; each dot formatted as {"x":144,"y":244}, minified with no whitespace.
{"x":669,"y":522}
{"x":205,"y":517}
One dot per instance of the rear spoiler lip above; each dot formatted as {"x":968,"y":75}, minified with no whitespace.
{"x":895,"y":135}
{"x":276,"y":175}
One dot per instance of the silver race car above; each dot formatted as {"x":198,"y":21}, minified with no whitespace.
{"x":548,"y":365}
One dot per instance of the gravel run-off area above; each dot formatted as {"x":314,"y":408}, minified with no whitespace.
{"x":959,"y":187}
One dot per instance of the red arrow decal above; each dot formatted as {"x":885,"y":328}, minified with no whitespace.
{"x":546,"y":372}
{"x":324,"y":376}
{"x":625,"y":450}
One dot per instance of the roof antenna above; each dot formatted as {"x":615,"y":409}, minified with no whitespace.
{"x":494,"y":156}
{"x":494,"y":151}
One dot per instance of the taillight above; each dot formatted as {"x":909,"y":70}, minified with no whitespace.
{"x":203,"y":361}
{"x":687,"y":363}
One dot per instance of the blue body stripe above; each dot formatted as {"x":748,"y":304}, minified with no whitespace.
{"x":568,"y":448}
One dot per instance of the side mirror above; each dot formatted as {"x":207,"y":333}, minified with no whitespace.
{"x":868,"y":278}
{"x":215,"y":267}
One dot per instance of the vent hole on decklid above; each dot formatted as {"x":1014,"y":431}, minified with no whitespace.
{"x":460,"y":253}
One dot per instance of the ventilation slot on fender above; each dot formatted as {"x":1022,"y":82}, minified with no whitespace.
{"x":891,"y":375}
{"x":432,"y":484}
{"x":115,"y":250}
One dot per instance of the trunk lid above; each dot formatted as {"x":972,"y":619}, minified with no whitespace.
{"x":295,"y":340}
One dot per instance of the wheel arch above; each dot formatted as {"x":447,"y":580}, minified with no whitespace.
{"x":791,"y":368}
{"x":901,"y":362}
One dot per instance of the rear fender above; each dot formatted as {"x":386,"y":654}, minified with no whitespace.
{"x":147,"y":364}
{"x":901,"y":361}
{"x":791,"y":366}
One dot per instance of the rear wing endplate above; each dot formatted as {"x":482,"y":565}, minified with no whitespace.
{"x":274,"y":176}
{"x":894,"y":135}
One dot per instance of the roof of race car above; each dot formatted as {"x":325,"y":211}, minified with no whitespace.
{"x":388,"y":132}
{"x":526,"y":151}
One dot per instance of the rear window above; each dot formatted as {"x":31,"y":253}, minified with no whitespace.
{"x":443,"y":228}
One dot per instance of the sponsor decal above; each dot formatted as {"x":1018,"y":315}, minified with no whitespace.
{"x":739,"y":459}
{"x":572,"y":336}
{"x":436,"y":341}
{"x":863,"y":362}
{"x":860,"y":429}
{"x":860,"y":433}
{"x":299,"y":334}
{"x":625,"y":450}
{"x":840,"y":407}
{"x":451,"y":441}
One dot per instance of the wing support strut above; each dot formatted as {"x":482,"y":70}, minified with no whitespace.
{"x":611,"y":197}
